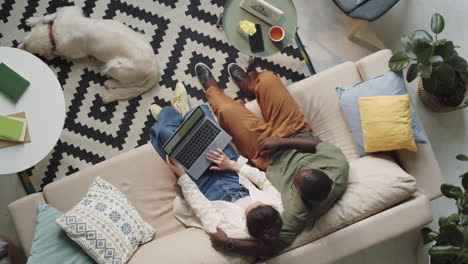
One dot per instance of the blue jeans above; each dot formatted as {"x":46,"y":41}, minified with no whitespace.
{"x":215,"y":185}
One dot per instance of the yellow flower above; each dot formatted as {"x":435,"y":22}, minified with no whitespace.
{"x":247,"y":27}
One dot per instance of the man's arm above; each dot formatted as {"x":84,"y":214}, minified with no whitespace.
{"x":269,"y":145}
{"x":247,"y":247}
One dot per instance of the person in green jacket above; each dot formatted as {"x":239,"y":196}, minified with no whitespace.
{"x":310,"y":174}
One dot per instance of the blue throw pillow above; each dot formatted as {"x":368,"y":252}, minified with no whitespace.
{"x":389,"y":84}
{"x":51,"y":244}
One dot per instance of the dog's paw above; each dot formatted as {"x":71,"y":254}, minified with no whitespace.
{"x":107,"y":97}
{"x":111,"y":84}
{"x":32,"y":21}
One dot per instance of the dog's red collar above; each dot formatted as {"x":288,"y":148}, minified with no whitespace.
{"x":51,"y":37}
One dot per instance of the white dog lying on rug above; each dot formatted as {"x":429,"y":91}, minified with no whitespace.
{"x":130,"y":60}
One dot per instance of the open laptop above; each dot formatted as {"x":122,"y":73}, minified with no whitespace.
{"x":197,"y":135}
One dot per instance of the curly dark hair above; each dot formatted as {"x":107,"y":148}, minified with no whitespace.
{"x":263,"y":218}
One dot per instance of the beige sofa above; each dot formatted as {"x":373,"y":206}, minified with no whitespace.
{"x":372,"y":217}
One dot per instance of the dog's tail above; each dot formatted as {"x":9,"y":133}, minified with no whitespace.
{"x":117,"y":94}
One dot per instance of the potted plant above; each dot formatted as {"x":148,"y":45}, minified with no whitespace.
{"x":444,"y":74}
{"x":451,"y":240}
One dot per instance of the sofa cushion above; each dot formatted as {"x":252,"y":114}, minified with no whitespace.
{"x":189,"y":246}
{"x":140,"y":174}
{"x":318,"y":100}
{"x":51,"y":244}
{"x":386,"y":123}
{"x":389,"y":84}
{"x":375,"y":183}
{"x":106,"y":225}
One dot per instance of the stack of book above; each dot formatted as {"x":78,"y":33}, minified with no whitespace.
{"x":13,"y":130}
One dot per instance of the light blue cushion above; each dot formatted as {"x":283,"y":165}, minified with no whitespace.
{"x":51,"y":244}
{"x":389,"y":84}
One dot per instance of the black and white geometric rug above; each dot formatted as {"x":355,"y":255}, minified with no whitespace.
{"x":181,"y":32}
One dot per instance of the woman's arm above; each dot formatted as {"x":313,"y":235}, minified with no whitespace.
{"x":202,"y":207}
{"x":224,"y":163}
{"x":256,"y":176}
{"x":247,"y":247}
{"x":218,"y":157}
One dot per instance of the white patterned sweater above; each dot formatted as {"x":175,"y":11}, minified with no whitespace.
{"x":197,"y":211}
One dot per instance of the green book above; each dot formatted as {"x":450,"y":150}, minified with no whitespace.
{"x":12,"y":85}
{"x":12,"y":128}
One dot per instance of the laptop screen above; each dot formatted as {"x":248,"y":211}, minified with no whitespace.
{"x":183,"y":130}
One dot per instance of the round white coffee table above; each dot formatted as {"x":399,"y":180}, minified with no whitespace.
{"x":43,"y":104}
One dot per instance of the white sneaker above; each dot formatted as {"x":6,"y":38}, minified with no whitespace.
{"x":180,"y":99}
{"x":155,"y":109}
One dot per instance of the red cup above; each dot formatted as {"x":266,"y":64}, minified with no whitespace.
{"x":276,"y":33}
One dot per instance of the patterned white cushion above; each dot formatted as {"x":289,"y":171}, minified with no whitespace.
{"x":106,"y":225}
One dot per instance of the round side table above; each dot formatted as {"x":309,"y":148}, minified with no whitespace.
{"x":233,"y":14}
{"x":44,"y":105}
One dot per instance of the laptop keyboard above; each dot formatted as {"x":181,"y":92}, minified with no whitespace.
{"x":197,"y":144}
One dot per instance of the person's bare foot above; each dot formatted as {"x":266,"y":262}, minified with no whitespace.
{"x":241,"y":79}
{"x":204,"y":75}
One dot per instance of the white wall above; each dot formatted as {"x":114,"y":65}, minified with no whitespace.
{"x":448,"y":132}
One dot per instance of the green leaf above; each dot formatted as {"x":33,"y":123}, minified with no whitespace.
{"x":446,"y":190}
{"x":465,"y":181}
{"x":419,"y":36}
{"x":462,"y":157}
{"x":456,"y":192}
{"x":446,"y":50}
{"x":423,"y":52}
{"x":443,"y":221}
{"x":444,"y":250}
{"x":412,"y":72}
{"x":407,"y":44}
{"x":424,"y":70}
{"x":464,"y":221}
{"x":459,"y":64}
{"x":437,"y":23}
{"x":464,"y":76}
{"x":398,"y":61}
{"x":454,"y":219}
{"x":465,"y":228}
{"x":453,"y":235}
{"x":445,"y":76}
{"x":436,"y":59}
{"x":440,"y":42}
{"x":430,"y":85}
{"x":428,"y":235}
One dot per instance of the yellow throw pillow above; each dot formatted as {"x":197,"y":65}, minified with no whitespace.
{"x":386,"y":123}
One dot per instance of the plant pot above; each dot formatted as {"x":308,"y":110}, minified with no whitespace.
{"x":431,"y":102}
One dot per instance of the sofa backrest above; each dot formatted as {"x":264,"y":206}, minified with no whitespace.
{"x":141,"y":174}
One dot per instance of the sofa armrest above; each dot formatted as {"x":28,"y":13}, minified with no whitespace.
{"x":423,"y":166}
{"x":374,"y":65}
{"x":24,"y":215}
{"x":402,"y":218}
